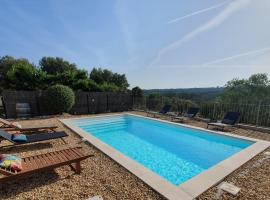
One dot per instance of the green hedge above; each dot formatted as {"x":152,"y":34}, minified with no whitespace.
{"x":59,"y":99}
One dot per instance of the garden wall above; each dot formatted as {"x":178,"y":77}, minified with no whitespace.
{"x":85,"y":102}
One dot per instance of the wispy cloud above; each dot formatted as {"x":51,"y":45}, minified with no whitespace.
{"x":199,"y":12}
{"x":128,"y":24}
{"x":216,"y":21}
{"x":254,"y":52}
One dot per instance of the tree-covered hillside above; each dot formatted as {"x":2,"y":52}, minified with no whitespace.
{"x":196,"y":94}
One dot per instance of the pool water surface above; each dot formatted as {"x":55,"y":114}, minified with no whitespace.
{"x":173,"y":152}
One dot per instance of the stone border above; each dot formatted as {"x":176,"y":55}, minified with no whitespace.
{"x":189,"y":189}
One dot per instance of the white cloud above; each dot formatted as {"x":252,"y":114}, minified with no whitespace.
{"x":128,"y":24}
{"x":221,"y":60}
{"x":198,"y":12}
{"x":233,"y":7}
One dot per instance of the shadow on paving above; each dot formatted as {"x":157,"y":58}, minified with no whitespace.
{"x":17,"y":186}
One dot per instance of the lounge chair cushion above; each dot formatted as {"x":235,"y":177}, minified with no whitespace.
{"x":19,"y":137}
{"x":227,"y":121}
{"x":10,"y":162}
{"x":15,"y":125}
{"x":188,"y":115}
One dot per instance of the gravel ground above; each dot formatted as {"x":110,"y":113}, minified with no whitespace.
{"x":102,"y":176}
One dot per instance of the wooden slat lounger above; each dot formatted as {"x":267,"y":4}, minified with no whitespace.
{"x":47,"y":161}
{"x":6,"y":125}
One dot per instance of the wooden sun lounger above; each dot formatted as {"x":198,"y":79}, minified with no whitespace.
{"x":7,"y":126}
{"x":47,"y":161}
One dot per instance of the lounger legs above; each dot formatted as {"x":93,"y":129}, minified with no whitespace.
{"x":77,"y":168}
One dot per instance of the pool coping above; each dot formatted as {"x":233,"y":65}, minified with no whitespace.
{"x":193,"y":187}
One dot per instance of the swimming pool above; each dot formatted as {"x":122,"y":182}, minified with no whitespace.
{"x":175,"y":153}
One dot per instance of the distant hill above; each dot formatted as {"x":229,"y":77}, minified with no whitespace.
{"x":184,"y":90}
{"x":196,"y":94}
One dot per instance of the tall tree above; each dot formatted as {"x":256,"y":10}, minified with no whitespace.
{"x":97,"y":75}
{"x":255,"y":89}
{"x":24,"y":76}
{"x":137,"y":92}
{"x":101,"y":76}
{"x":6,"y":63}
{"x":54,"y":65}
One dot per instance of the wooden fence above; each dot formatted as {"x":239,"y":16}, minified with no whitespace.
{"x":85,"y":102}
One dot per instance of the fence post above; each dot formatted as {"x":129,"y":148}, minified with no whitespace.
{"x":4,"y":107}
{"x":214,"y":111}
{"x":258,"y":113}
{"x":87,"y":101}
{"x":38,"y":106}
{"x":107,"y":102}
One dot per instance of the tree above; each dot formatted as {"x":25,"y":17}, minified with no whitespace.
{"x":255,"y":89}
{"x":106,"y":76}
{"x":6,"y":63}
{"x":20,"y":74}
{"x":24,"y":76}
{"x":69,"y":78}
{"x":120,"y":80}
{"x":97,"y":75}
{"x":137,"y":92}
{"x":154,"y":101}
{"x":55,"y":65}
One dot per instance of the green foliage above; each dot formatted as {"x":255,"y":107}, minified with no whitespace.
{"x":93,"y":86}
{"x":137,"y":92}
{"x":19,"y":74}
{"x":194,"y":94}
{"x":55,"y":65}
{"x":59,"y":99}
{"x":255,"y":89}
{"x":154,"y":101}
{"x":24,"y":76}
{"x":81,"y":84}
{"x":106,"y":87}
{"x":97,"y":75}
{"x":106,"y":76}
{"x":6,"y":63}
{"x":86,"y":85}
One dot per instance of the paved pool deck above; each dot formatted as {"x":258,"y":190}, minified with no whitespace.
{"x":190,"y":189}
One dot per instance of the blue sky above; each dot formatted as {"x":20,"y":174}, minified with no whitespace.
{"x":156,"y":43}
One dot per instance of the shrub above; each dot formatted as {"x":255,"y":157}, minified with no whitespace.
{"x":93,"y":86}
{"x":107,"y":87}
{"x":81,"y":84}
{"x":59,"y":99}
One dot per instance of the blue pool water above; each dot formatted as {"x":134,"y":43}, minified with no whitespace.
{"x":174,"y":152}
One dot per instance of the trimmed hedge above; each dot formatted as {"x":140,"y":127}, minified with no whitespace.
{"x":59,"y":99}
